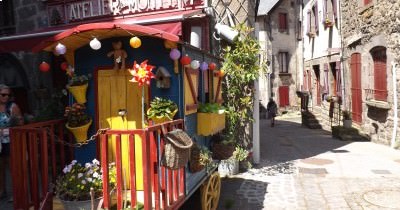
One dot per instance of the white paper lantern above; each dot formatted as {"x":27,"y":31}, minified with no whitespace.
{"x":195,"y":64}
{"x":61,"y":49}
{"x":95,"y":44}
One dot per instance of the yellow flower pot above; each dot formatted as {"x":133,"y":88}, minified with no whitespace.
{"x":80,"y":133}
{"x":79,"y":92}
{"x":158,"y":120}
{"x":210,"y":123}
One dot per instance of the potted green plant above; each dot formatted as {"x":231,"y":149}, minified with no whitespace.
{"x":346,"y":119}
{"x":78,"y":122}
{"x":79,"y":184}
{"x":161,"y":110}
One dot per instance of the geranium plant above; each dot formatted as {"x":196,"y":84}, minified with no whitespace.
{"x":77,"y":180}
{"x":76,"y":115}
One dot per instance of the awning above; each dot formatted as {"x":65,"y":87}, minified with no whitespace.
{"x":165,"y":22}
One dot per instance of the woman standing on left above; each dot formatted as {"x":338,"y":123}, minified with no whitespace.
{"x":10,"y":115}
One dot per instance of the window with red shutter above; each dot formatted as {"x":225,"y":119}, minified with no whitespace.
{"x":380,"y":83}
{"x":283,"y":26}
{"x":366,"y":2}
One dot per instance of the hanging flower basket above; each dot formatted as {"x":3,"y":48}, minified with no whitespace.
{"x":79,"y":92}
{"x":80,"y":132}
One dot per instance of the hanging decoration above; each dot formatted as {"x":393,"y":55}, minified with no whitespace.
{"x":119,"y":55}
{"x":44,"y":67}
{"x":195,"y":64}
{"x":212,"y":66}
{"x":170,"y":44}
{"x":203,"y":66}
{"x":141,"y":73}
{"x":64,"y":66}
{"x":175,"y":55}
{"x":135,"y":42}
{"x":60,"y":49}
{"x":95,"y":44}
{"x":185,"y":60}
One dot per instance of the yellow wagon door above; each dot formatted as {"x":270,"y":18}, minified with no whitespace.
{"x":115,"y":93}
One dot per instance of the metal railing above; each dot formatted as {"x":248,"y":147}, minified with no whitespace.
{"x":373,"y":94}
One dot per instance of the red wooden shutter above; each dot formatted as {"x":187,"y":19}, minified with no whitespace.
{"x":283,"y":96}
{"x":367,"y":2}
{"x":309,"y":80}
{"x":324,"y":9}
{"x":356,"y":105}
{"x":316,"y":17}
{"x":379,"y":57}
{"x":304,"y":81}
{"x":282,"y":22}
{"x":338,"y":79}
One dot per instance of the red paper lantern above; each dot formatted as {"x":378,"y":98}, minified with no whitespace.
{"x":44,"y":67}
{"x":185,"y":60}
{"x":212,"y":66}
{"x":64,"y":66}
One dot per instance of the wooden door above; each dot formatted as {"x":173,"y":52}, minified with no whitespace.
{"x":283,"y":96}
{"x":116,"y":93}
{"x":318,"y":84}
{"x":356,"y":100}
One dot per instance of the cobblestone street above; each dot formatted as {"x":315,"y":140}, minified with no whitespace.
{"x":302,"y":168}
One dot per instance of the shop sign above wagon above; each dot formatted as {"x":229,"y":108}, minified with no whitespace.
{"x":61,"y":12}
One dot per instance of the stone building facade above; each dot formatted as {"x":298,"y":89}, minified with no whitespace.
{"x":279,"y":36}
{"x":371,"y":55}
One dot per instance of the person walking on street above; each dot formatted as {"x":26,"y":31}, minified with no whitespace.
{"x":272,"y":109}
{"x":10,"y":115}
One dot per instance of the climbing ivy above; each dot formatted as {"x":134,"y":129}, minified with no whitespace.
{"x":242,"y":67}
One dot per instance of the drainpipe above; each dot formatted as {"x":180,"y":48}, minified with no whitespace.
{"x":393,"y":142}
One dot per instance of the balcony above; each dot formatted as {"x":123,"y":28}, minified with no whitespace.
{"x":377,"y":98}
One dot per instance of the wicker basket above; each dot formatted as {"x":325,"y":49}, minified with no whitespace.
{"x":177,"y":149}
{"x":222,"y":151}
{"x":194,"y":163}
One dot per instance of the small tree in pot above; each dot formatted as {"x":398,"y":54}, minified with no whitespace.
{"x":346,"y":119}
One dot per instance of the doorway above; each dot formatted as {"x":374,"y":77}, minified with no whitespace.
{"x":114,"y":94}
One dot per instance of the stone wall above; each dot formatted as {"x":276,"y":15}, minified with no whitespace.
{"x":365,"y":27}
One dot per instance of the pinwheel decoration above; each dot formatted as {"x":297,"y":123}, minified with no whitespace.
{"x":142,"y":73}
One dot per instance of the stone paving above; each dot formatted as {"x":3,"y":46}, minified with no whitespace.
{"x":308,"y":169}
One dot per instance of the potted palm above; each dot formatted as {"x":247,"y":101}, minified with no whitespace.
{"x":78,"y":122}
{"x":162,"y":110}
{"x":346,"y":119}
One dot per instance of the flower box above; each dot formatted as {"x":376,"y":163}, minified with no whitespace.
{"x":210,"y":123}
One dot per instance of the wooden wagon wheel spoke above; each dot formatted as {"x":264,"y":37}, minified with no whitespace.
{"x":210,"y":192}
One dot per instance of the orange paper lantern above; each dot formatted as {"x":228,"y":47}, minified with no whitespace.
{"x":135,"y":42}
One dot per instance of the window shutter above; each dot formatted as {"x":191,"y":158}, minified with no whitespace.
{"x":316,"y":17}
{"x":308,"y":22}
{"x":338,"y":79}
{"x":324,"y":10}
{"x":326,"y":79}
{"x":334,"y":7}
{"x":217,"y":88}
{"x":191,"y":81}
